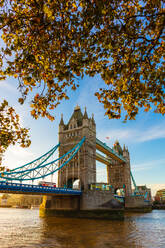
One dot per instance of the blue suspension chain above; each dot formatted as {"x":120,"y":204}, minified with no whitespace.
{"x":41,"y":165}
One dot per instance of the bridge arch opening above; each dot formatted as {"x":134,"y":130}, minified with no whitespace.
{"x":76,"y":184}
{"x":101,"y":172}
{"x":120,"y":191}
{"x":73,"y":183}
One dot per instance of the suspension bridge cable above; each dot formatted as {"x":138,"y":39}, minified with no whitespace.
{"x":34,"y":168}
{"x":53,"y":149}
{"x":48,"y":172}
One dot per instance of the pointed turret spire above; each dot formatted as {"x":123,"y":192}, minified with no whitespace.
{"x":62,"y":121}
{"x":77,"y":107}
{"x":93,"y":121}
{"x":118,"y":148}
{"x":85,"y":114}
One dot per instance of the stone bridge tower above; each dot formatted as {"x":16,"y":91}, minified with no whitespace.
{"x":119,"y":173}
{"x":83,"y":165}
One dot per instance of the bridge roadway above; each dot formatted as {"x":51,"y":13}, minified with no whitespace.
{"x":18,"y":188}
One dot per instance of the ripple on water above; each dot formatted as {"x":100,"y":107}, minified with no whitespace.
{"x":22,"y":228}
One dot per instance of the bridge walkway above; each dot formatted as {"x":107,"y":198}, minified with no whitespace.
{"x":109,"y":151}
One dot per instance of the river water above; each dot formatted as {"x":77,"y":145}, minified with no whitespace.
{"x":23,"y":228}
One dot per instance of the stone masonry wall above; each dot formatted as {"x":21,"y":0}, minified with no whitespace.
{"x":96,"y":199}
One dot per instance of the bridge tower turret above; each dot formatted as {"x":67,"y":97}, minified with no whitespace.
{"x":127,"y":171}
{"x":118,"y":173}
{"x":83,"y":165}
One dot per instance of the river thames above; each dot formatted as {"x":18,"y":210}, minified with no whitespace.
{"x":23,"y":228}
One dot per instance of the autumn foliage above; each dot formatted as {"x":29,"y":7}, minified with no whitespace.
{"x":10,"y":130}
{"x":51,"y":44}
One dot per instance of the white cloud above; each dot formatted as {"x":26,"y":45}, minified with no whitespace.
{"x":155,"y":132}
{"x":134,"y":135}
{"x":19,"y":151}
{"x":119,"y":134}
{"x":24,"y":113}
{"x":7,"y":86}
{"x":16,"y":156}
{"x":148,"y":165}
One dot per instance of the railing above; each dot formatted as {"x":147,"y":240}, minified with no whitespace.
{"x":99,"y":142}
{"x":28,"y":188}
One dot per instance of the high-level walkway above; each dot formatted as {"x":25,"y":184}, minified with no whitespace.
{"x":108,"y":151}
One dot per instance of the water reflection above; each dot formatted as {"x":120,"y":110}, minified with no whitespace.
{"x":24,"y":229}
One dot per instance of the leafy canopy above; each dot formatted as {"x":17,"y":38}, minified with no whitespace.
{"x":51,"y":44}
{"x":10,"y":130}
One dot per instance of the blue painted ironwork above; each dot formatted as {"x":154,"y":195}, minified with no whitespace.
{"x":35,"y":189}
{"x":134,"y":183}
{"x":42,"y":170}
{"x":45,"y":156}
{"x":34,"y":166}
{"x":145,"y":196}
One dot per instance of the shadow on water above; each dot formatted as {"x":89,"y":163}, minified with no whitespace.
{"x":137,"y":230}
{"x":87,"y":233}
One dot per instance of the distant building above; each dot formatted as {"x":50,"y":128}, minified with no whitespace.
{"x":160,"y":196}
{"x":4,"y":199}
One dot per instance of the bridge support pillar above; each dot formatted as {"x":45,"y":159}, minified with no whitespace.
{"x":137,"y":203}
{"x":91,"y":204}
{"x":53,"y":204}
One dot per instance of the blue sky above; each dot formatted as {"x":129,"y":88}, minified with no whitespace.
{"x":145,"y":137}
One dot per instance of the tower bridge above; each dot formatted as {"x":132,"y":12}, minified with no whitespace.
{"x":83,"y":166}
{"x":79,"y":149}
